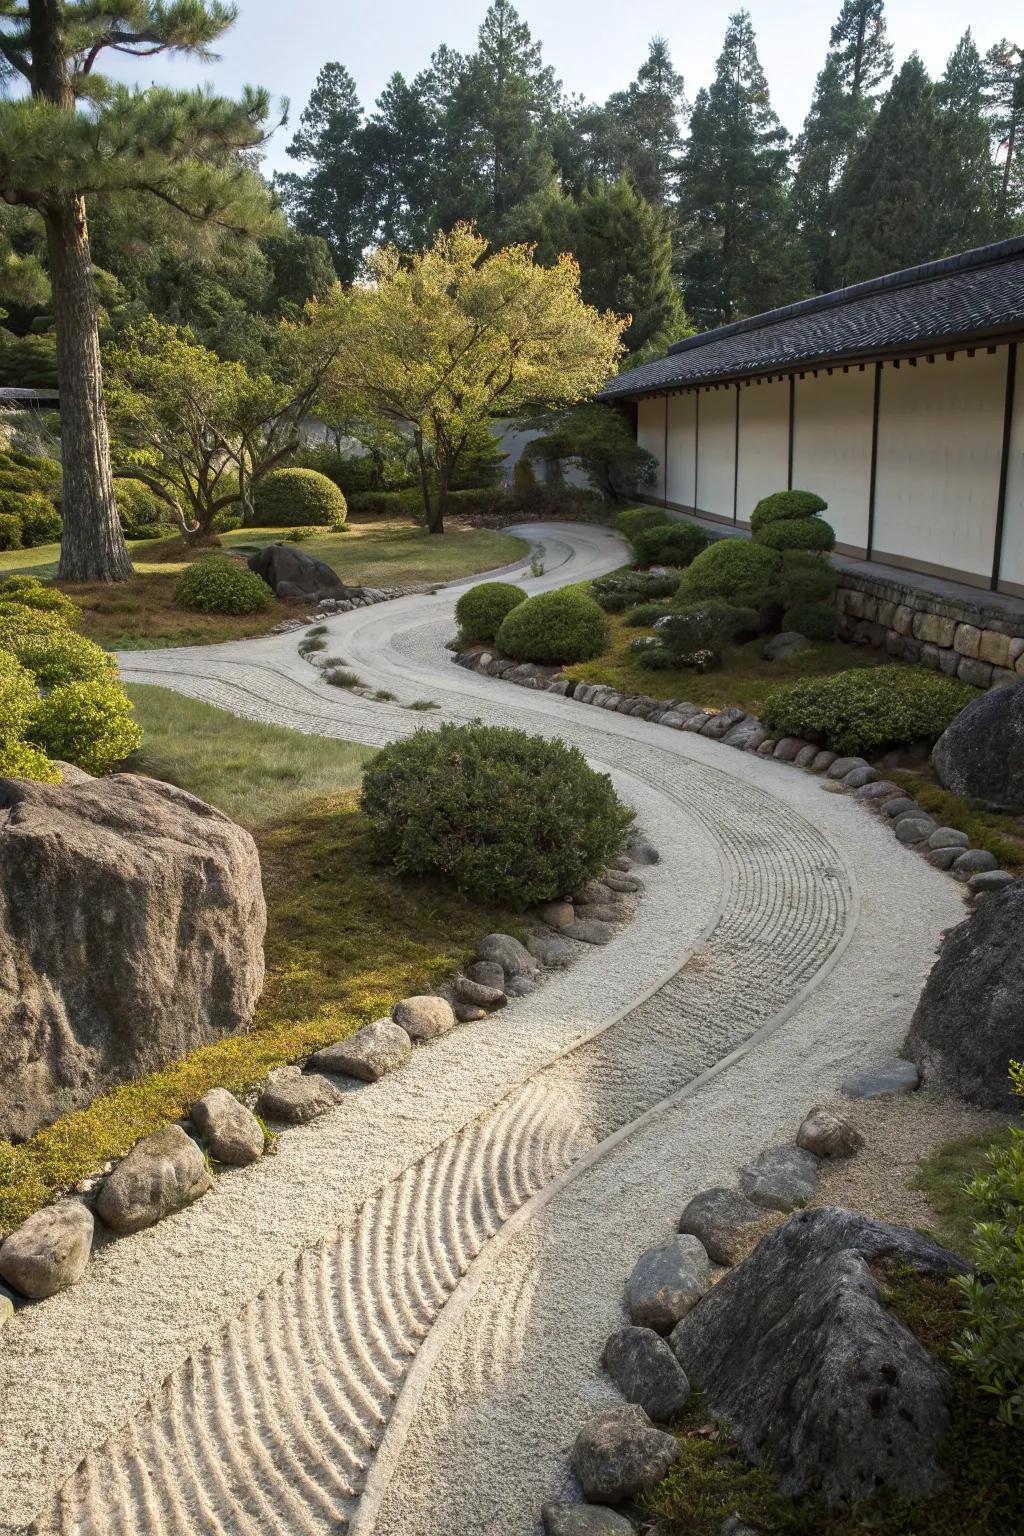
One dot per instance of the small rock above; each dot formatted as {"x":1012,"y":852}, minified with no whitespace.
{"x":943,"y":858}
{"x":841,"y":766}
{"x":558,"y":914}
{"x":641,"y":850}
{"x":615,"y":880}
{"x":6,"y":1310}
{"x":469,"y":1013}
{"x":619,"y":1453}
{"x":520,"y":986}
{"x":878,"y":791}
{"x":667,"y":1281}
{"x":551,"y":950}
{"x":646,"y":1372}
{"x":976,"y":861}
{"x":805,"y":757}
{"x":371,"y":1052}
{"x":914,"y":829}
{"x":295,"y":1097}
{"x":822,"y":761}
{"x":781,"y":1179}
{"x":787,"y":748}
{"x":881,"y":1082}
{"x":488,"y":973}
{"x":590,"y":930}
{"x":828,"y":1135}
{"x":948,"y":837}
{"x":424,"y":1017}
{"x":600,"y":912}
{"x":860,"y":778}
{"x":722,"y":723}
{"x":583,"y":1520}
{"x":990,"y":880}
{"x":725,"y":1221}
{"x":901,"y":807}
{"x":231,"y":1132}
{"x":735,"y":1526}
{"x":49,"y":1251}
{"x":789,"y":643}
{"x":478,"y":995}
{"x":504,"y":950}
{"x":163,"y":1173}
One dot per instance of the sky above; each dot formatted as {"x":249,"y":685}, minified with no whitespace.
{"x":595,"y":46}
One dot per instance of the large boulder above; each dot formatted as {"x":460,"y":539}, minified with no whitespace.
{"x":131,"y":931}
{"x":291,"y":573}
{"x":619,"y":1453}
{"x":815,"y":1375}
{"x":980,"y":755}
{"x":969,"y":1024}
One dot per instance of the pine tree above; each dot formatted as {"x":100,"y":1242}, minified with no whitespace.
{"x":330,"y":198}
{"x":861,"y":48}
{"x":966,"y":206}
{"x":397,"y":156}
{"x":740,"y":256}
{"x":1004,"y":70}
{"x":643,"y":124}
{"x":77,"y":135}
{"x":622,"y":244}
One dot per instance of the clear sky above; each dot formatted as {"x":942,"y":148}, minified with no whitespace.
{"x":595,"y":46}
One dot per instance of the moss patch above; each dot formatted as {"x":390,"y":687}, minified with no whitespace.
{"x":941,"y":1177}
{"x":1002,"y":835}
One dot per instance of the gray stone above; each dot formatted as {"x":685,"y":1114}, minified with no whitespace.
{"x":163,"y":1173}
{"x":618,"y":880}
{"x":294,"y":1096}
{"x":822,"y":761}
{"x":480,"y":996}
{"x":520,"y":986}
{"x":131,"y":932}
{"x":597,"y":912}
{"x":787,"y":748}
{"x":860,"y":778}
{"x":725,"y":1221}
{"x":291,"y":573}
{"x":796,"y":1348}
{"x":977,"y":673}
{"x":841,"y":766}
{"x":780,"y":1179}
{"x":943,"y":858}
{"x":695,"y":723}
{"x":558,"y":914}
{"x":789,"y":643}
{"x":50,"y":1250}
{"x":590,"y":930}
{"x":976,"y":861}
{"x":990,"y":880}
{"x":369,"y":1054}
{"x":504,"y":950}
{"x":469,"y":1013}
{"x":488,"y":973}
{"x":735,"y":1526}
{"x":667,"y":1281}
{"x":767,"y":747}
{"x":828,"y":1135}
{"x":914,"y":829}
{"x":968,"y":1025}
{"x":424,"y":1016}
{"x":879,"y":792}
{"x":720,"y":724}
{"x":948,"y":837}
{"x":672,"y":720}
{"x":646,"y":1372}
{"x":895,"y":1077}
{"x":641,"y":850}
{"x":549,"y":949}
{"x":805,"y":757}
{"x":6,"y":1310}
{"x":901,"y":807}
{"x":619,"y":1453}
{"x":583,"y":1520}
{"x":231,"y":1132}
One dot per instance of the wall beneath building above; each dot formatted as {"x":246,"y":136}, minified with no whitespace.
{"x":763,"y":460}
{"x":650,"y":434}
{"x":716,"y":452}
{"x":832,"y":424}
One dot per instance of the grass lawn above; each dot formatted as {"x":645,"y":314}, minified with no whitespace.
{"x":345,"y":938}
{"x":142,"y":614}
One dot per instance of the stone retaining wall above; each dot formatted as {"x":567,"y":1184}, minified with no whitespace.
{"x":980,"y":643}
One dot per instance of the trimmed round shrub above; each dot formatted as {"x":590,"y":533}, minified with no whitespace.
{"x":507,"y":817}
{"x":673,"y":544}
{"x":296,"y":498}
{"x":555,"y":628}
{"x":480,"y":610}
{"x":140,"y":510}
{"x":783,"y":506}
{"x":622,"y":589}
{"x":87,"y":723}
{"x":805,"y":577}
{"x":30,"y":592}
{"x":61,"y":658}
{"x":817,"y":621}
{"x":10,"y":531}
{"x":871,"y":707}
{"x":649,"y":653}
{"x":41,"y":523}
{"x":632,"y":521}
{"x":732,"y":568}
{"x":219,"y":584}
{"x":801,"y":533}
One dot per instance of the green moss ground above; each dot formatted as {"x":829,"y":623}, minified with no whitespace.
{"x":1001,"y":835}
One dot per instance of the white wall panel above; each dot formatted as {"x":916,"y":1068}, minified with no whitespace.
{"x":832,"y":447}
{"x":650,"y":434}
{"x":1011,"y":567}
{"x":682,"y":445}
{"x":716,"y":451}
{"x":764,"y":443}
{"x":940,"y":430}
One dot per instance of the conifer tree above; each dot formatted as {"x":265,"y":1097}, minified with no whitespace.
{"x":622,"y":244}
{"x":1004,"y":71}
{"x":330,"y":198}
{"x":967,"y":197}
{"x":645,"y":123}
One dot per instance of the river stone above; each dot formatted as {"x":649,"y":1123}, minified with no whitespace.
{"x":805,"y":757}
{"x":968,"y":1025}
{"x":640,"y":849}
{"x":943,"y":858}
{"x":369,"y":1054}
{"x":725,"y":1221}
{"x":583,"y":1520}
{"x":822,"y":761}
{"x":914,"y":829}
{"x":667,"y":1281}
{"x":781,"y":1178}
{"x":990,"y":880}
{"x":860,"y":778}
{"x":980,"y":755}
{"x":520,"y":986}
{"x":898,"y":808}
{"x":617,"y":880}
{"x":895,"y":1077}
{"x":646,"y":1371}
{"x":6,"y":1310}
{"x":877,"y":791}
{"x":291,"y":573}
{"x":504,"y":950}
{"x":424,"y":1017}
{"x":231,"y":1132}
{"x":488,"y":973}
{"x":619,"y":1453}
{"x":549,"y":949}
{"x":723,"y":722}
{"x":131,"y":931}
{"x":814,"y":1374}
{"x":49,"y":1251}
{"x":162,"y":1174}
{"x":735,"y":1526}
{"x":590,"y":930}
{"x":841,"y":766}
{"x":559,"y":914}
{"x":828,"y":1135}
{"x":948,"y":837}
{"x":478,"y":995}
{"x":294,"y":1096}
{"x":975,"y":861}
{"x":789,"y":643}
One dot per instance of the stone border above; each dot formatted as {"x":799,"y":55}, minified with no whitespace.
{"x":945,"y":847}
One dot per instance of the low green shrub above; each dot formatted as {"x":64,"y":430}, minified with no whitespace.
{"x":404,"y":503}
{"x":507,"y":817}
{"x":732,"y":568}
{"x":10,"y":531}
{"x":61,"y":658}
{"x":816,"y":621}
{"x":632,"y":521}
{"x":219,"y":584}
{"x":648,"y":652}
{"x":706,"y":627}
{"x":623,"y":589}
{"x":140,"y":510}
{"x":89,"y":723}
{"x":805,"y":577}
{"x":783,"y":506}
{"x":672,"y":544}
{"x":554,"y":627}
{"x":41,"y":523}
{"x":226,"y":521}
{"x":18,"y":697}
{"x":291,"y":498}
{"x":480,"y":610}
{"x":30,"y":592}
{"x":21,"y":760}
{"x":524,"y":476}
{"x":18,"y":619}
{"x":646,"y":614}
{"x":866,"y":709}
{"x":801,"y":533}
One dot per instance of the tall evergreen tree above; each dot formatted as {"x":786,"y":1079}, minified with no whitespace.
{"x":330,"y":199}
{"x":622,"y":244}
{"x":1004,"y":70}
{"x":740,"y":256}
{"x":76,"y":135}
{"x":861,"y":48}
{"x":968,"y":192}
{"x":397,"y":158}
{"x":644,"y":125}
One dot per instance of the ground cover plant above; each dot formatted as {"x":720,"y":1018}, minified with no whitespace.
{"x":998,"y":832}
{"x":345,"y":936}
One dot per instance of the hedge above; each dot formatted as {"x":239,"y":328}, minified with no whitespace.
{"x":87,"y":723}
{"x":866,"y":709}
{"x":30,"y":592}
{"x":480,"y":610}
{"x":555,"y":628}
{"x":732,"y":568}
{"x":816,"y":621}
{"x":219,"y":584}
{"x":634,"y":520}
{"x":672,"y":544}
{"x":296,"y":498}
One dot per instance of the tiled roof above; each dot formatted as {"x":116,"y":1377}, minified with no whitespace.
{"x":979,"y":293}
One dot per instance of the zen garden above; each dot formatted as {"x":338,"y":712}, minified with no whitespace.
{"x":511,"y":772}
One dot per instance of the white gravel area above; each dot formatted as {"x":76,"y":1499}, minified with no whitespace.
{"x":432,"y":1262}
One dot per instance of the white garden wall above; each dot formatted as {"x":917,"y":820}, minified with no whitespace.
{"x":716,"y":452}
{"x":763,"y":464}
{"x":650,"y":434}
{"x":832,"y":415}
{"x":682,"y":449}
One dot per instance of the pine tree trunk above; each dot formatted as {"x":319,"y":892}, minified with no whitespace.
{"x":92,"y":545}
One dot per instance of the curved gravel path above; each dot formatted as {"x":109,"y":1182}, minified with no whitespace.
{"x":394,"y":1323}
